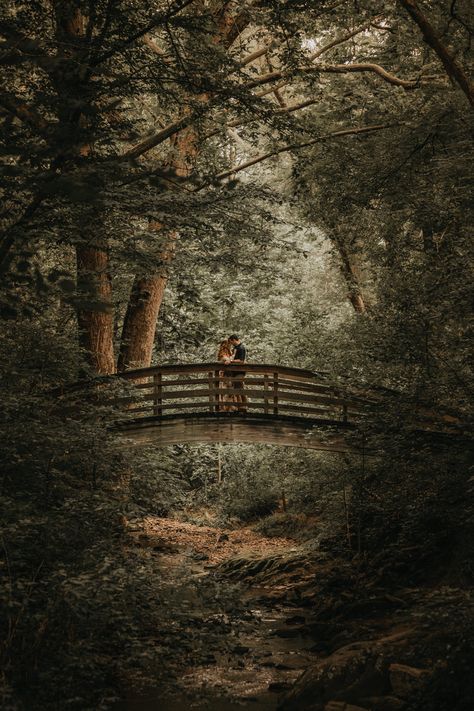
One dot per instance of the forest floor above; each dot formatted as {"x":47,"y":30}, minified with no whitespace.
{"x":224,"y":644}
{"x":238,"y":618}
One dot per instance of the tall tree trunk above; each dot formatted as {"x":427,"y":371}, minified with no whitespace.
{"x":95,"y":313}
{"x":146,"y":297}
{"x":139,"y":326}
{"x":94,"y":287}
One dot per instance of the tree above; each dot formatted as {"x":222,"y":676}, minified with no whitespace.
{"x":88,"y":101}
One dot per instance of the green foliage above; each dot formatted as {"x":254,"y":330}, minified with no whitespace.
{"x":272,"y":254}
{"x":74,"y":602}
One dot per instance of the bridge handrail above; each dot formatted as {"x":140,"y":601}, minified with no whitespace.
{"x":273,"y":390}
{"x":205,"y":367}
{"x":216,"y":387}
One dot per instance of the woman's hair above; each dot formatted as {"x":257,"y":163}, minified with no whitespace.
{"x":225,"y":350}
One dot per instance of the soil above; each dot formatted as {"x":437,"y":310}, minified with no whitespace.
{"x":225,"y":644}
{"x":245,"y":621}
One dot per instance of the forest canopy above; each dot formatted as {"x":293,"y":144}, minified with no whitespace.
{"x":173,"y":172}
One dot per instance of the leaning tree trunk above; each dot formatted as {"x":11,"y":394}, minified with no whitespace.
{"x":351,"y":278}
{"x":146,"y":297}
{"x":139,"y":326}
{"x":138,"y":335}
{"x":95,"y":313}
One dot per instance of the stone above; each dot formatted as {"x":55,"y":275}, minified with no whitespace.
{"x":347,"y":675}
{"x":241,"y":649}
{"x":278,"y":686}
{"x":383,"y":703}
{"x":342,"y":706}
{"x":295,"y":620}
{"x":290,"y":632}
{"x":406,"y":680}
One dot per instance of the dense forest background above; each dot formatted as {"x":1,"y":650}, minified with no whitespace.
{"x":172,"y":172}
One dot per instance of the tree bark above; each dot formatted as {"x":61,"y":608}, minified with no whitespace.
{"x":95,"y":317}
{"x":138,"y":335}
{"x":95,"y":313}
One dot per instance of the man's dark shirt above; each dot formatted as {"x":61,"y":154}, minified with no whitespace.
{"x":240,"y":352}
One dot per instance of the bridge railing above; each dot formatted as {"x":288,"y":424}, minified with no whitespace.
{"x":216,"y":388}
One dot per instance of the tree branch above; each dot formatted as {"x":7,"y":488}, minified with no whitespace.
{"x":333,"y":69}
{"x":159,"y":19}
{"x":343,"y":38}
{"x":159,"y":137}
{"x":430,"y":36}
{"x":297,"y":146}
{"x":369,"y":67}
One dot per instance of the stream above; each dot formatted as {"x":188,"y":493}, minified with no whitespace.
{"x":224,"y":644}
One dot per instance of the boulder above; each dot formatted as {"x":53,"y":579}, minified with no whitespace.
{"x":406,"y":681}
{"x":342,"y":706}
{"x":350,"y":673}
{"x":383,"y":703}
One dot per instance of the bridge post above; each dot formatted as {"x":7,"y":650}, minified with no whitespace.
{"x":275,"y":393}
{"x":210,"y":388}
{"x":266,"y":408}
{"x":217,"y":387}
{"x":157,"y":395}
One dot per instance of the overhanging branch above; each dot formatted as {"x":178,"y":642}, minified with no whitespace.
{"x":431,"y":37}
{"x":298,"y":146}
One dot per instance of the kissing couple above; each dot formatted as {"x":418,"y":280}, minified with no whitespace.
{"x":232,"y":350}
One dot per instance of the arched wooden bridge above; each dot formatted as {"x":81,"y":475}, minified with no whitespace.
{"x":202,"y":403}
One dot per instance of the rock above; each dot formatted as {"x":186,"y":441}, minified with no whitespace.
{"x":290,"y":632}
{"x":240,"y":649}
{"x":342,"y":706}
{"x":406,"y":681}
{"x":295,"y":620}
{"x":278,"y":686}
{"x":353,"y":672}
{"x":383,"y":703}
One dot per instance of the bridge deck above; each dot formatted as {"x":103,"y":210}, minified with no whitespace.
{"x":234,"y":427}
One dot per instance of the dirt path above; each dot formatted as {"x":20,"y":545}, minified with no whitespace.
{"x":224,"y":644}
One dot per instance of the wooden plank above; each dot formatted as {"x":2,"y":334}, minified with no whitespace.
{"x":218,"y":395}
{"x":284,"y":385}
{"x":296,"y":373}
{"x":275,"y":393}
{"x":335,"y":394}
{"x":204,"y":405}
{"x":197,"y":429}
{"x":170,"y":383}
{"x":211,"y":392}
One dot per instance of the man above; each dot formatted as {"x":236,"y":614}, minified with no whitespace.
{"x":240,"y":356}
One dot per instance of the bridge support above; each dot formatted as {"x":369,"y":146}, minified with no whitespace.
{"x":326,"y":435}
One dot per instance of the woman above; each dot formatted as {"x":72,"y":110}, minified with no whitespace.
{"x":225,"y":355}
